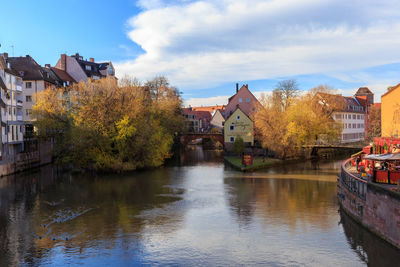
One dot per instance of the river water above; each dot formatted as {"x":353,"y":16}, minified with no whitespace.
{"x":198,"y":212}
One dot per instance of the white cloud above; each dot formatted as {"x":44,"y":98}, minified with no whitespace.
{"x":200,"y":44}
{"x":216,"y":100}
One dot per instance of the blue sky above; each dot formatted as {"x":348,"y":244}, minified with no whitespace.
{"x":205,"y":47}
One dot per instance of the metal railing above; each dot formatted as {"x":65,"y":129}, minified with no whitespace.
{"x":353,"y":183}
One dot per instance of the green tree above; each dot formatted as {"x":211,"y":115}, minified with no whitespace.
{"x":238,"y":145}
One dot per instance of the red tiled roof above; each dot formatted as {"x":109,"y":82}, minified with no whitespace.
{"x":63,"y":75}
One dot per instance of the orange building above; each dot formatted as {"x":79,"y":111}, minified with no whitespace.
{"x":390,"y":112}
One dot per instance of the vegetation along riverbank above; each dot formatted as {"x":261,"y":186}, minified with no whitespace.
{"x":103,"y":125}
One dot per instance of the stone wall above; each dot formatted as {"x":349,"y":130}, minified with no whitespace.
{"x":379,"y":212}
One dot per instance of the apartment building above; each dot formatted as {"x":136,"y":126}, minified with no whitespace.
{"x":349,"y":112}
{"x":83,"y":70}
{"x":12,"y":137}
{"x":35,"y":79}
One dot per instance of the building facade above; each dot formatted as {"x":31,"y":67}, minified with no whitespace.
{"x":238,"y":124}
{"x":347,"y":111}
{"x":243,"y":99}
{"x":11,"y":112}
{"x":218,"y":120}
{"x":390,"y":112}
{"x":35,"y":79}
{"x":196,"y":121}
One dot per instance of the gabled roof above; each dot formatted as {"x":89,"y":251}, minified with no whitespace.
{"x":63,"y":75}
{"x":363,"y":90}
{"x":341,"y":103}
{"x":94,"y":67}
{"x":220,"y":112}
{"x":28,"y":69}
{"x":209,"y":108}
{"x":238,"y":108}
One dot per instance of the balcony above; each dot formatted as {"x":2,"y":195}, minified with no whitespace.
{"x":19,"y":103}
{"x":18,"y":88}
{"x":20,"y":118}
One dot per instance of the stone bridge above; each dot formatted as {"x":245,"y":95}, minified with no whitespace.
{"x":188,"y":137}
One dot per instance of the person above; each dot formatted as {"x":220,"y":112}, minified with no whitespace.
{"x":358,"y":160}
{"x":384,"y":166}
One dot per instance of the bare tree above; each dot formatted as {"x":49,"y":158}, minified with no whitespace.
{"x":286,"y":91}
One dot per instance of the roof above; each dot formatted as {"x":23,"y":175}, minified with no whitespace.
{"x":209,"y":108}
{"x":377,"y":105}
{"x":391,"y":89}
{"x":63,"y":75}
{"x":95,"y":67}
{"x":2,"y":84}
{"x":345,"y":103}
{"x":238,"y":108}
{"x":28,"y":69}
{"x":363,"y":91}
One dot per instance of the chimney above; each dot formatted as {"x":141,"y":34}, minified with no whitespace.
{"x":63,"y":62}
{"x":77,"y":55}
{"x":5,"y":55}
{"x":237,"y":87}
{"x":91,"y":59}
{"x":247,"y":86}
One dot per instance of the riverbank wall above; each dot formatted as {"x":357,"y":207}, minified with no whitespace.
{"x":374,"y":206}
{"x":26,"y":161}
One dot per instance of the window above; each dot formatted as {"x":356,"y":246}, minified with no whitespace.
{"x":354,"y":116}
{"x":240,"y":100}
{"x":110,"y":70}
{"x":28,"y":98}
{"x":12,"y":132}
{"x":358,"y":117}
{"x":9,"y":111}
{"x":14,"y":111}
{"x":238,"y":117}
{"x":247,"y":100}
{"x":232,"y":128}
{"x":28,"y":112}
{"x":13,"y":95}
{"x":28,"y":85}
{"x":232,"y":139}
{"x":88,"y":67}
{"x":20,"y":128}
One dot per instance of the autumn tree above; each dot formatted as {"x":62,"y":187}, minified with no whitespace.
{"x":303,"y":122}
{"x":110,"y":127}
{"x":375,"y":122}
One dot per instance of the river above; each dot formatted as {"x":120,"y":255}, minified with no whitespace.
{"x":197,"y":212}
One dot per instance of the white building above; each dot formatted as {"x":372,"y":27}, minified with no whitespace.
{"x":12,"y":137}
{"x":349,"y":112}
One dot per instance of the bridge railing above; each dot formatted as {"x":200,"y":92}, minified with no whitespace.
{"x":353,"y":183}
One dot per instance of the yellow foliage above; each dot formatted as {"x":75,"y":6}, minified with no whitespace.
{"x":106,"y":126}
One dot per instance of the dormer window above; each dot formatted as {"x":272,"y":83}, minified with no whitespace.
{"x":88,"y":67}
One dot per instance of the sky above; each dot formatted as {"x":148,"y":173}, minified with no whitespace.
{"x":205,"y":47}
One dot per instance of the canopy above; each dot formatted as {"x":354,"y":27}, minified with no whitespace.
{"x":356,"y":154}
{"x":383,"y":157}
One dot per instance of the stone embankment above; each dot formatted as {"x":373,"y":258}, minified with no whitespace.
{"x":375,"y":206}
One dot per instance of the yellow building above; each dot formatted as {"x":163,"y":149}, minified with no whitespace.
{"x":238,"y":124}
{"x":390,"y":112}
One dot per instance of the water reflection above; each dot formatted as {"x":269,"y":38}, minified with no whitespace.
{"x":367,"y":246}
{"x":200,"y":213}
